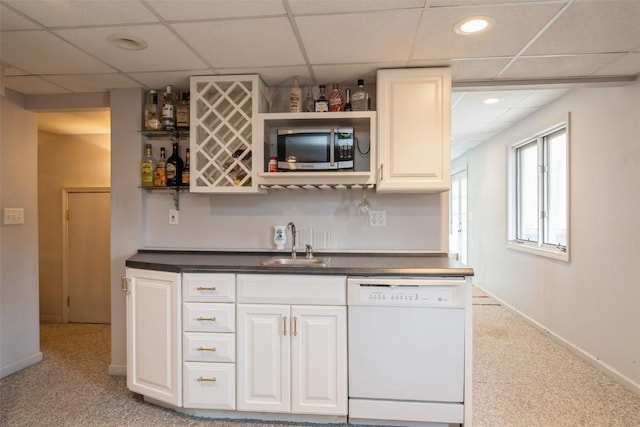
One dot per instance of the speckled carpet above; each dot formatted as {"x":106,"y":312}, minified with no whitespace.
{"x":521,"y":378}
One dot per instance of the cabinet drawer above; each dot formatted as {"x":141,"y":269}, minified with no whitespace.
{"x":209,"y":385}
{"x":205,"y":287}
{"x":206,"y":317}
{"x":292,"y":289}
{"x":208,"y":347}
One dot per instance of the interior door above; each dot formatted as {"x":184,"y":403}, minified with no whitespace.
{"x":458,"y":216}
{"x":88,"y":260}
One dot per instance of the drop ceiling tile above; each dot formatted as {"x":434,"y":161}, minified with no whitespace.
{"x":558,"y":66}
{"x":8,"y":70}
{"x":165,"y":52}
{"x":367,"y":37}
{"x":592,"y":27}
{"x":160,"y":79}
{"x":85,"y":13}
{"x":436,"y":38}
{"x":347,"y":75}
{"x":454,"y":3}
{"x":303,"y":7}
{"x":628,"y":65}
{"x":10,"y":20}
{"x":31,"y":85}
{"x":243,"y":42}
{"x":506,"y":99}
{"x":540,"y":98}
{"x":172,"y":10}
{"x":476,"y":69}
{"x":83,"y":83}
{"x":39,"y":52}
{"x":275,"y":76}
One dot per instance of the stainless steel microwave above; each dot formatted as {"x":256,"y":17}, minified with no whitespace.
{"x":315,"y":149}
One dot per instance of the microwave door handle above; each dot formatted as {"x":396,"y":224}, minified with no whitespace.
{"x":332,"y":144}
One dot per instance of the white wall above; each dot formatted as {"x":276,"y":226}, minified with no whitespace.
{"x":593,"y":301}
{"x":19,"y":327}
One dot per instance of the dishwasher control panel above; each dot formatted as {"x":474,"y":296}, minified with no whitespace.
{"x":406,"y":292}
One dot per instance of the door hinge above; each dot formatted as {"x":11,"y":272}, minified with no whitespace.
{"x":68,"y":215}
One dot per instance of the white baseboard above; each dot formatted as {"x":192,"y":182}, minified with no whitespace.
{"x":18,"y":365}
{"x":118,"y":370}
{"x":50,"y":318}
{"x":581,"y":353}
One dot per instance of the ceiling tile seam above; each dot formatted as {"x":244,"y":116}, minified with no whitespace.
{"x":421,"y":21}
{"x":48,"y":81}
{"x":178,"y":36}
{"x":296,"y":32}
{"x":544,"y":28}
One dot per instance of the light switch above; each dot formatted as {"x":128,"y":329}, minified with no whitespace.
{"x":13,"y":216}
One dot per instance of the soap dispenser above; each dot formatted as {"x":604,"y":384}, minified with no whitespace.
{"x":280,"y":236}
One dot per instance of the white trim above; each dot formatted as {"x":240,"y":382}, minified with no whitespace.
{"x":533,"y":248}
{"x":20,"y":364}
{"x":120,"y":370}
{"x":573,"y":348}
{"x":50,"y":318}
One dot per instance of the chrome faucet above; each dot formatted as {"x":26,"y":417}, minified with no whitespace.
{"x":291,"y":226}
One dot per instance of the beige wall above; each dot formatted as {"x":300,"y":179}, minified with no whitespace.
{"x":64,"y":161}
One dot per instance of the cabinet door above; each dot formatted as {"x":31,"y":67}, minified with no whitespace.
{"x":263,"y":358}
{"x":154,"y":335}
{"x":226,"y":152}
{"x":414,"y":130}
{"x":319,"y":360}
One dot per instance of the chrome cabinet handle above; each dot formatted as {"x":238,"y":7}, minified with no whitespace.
{"x":207,"y":319}
{"x":203,"y":379}
{"x":284,"y":325}
{"x":206,"y":288}
{"x":206,"y":349}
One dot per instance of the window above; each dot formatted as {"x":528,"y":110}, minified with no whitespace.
{"x":539,"y":193}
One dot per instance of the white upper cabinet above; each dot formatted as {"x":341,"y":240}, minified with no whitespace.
{"x":224,"y":111}
{"x":414,"y":130}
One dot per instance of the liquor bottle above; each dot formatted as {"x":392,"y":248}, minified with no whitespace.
{"x":307,"y":105}
{"x":295,"y":97}
{"x":168,"y":111}
{"x":174,"y":168}
{"x":347,"y":102}
{"x":182,"y":111}
{"x":151,"y":116}
{"x":160,"y":178}
{"x":186,"y":172}
{"x":147,"y":168}
{"x":321,"y":105}
{"x":360,"y":98}
{"x":335,"y":99}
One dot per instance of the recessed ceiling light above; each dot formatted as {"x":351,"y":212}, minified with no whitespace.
{"x":491,"y":101}
{"x":127,"y":42}
{"x":474,"y":25}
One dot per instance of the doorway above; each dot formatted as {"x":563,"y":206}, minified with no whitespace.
{"x":86,"y":255}
{"x":458,"y":216}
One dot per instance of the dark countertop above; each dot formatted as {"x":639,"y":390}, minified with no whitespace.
{"x":345,"y":263}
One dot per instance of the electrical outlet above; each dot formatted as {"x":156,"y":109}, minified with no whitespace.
{"x":13,"y":216}
{"x":377,"y":218}
{"x":174,"y":219}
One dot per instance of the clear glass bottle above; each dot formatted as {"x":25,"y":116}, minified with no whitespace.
{"x":151,"y":116}
{"x":347,"y":100}
{"x":307,"y":105}
{"x":321,"y":105}
{"x":174,"y":168}
{"x":186,"y":172}
{"x":160,"y":177}
{"x":360,"y":98}
{"x":168,"y":111}
{"x":335,"y":99}
{"x":182,"y":111}
{"x":147,"y":167}
{"x":295,"y":97}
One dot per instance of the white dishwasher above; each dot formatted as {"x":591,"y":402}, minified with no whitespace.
{"x":406,"y":350}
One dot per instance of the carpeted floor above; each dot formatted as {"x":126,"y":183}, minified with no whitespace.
{"x":521,"y":378}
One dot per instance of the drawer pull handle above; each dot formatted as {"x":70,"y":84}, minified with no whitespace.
{"x":203,"y":379}
{"x":206,"y":319}
{"x":295,"y":326}
{"x":284,"y":325}
{"x":206,"y":349}
{"x":206,"y":288}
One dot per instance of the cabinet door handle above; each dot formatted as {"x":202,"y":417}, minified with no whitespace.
{"x":206,"y":288}
{"x":295,"y":326}
{"x":124,"y":284}
{"x":206,"y":349}
{"x":203,"y":379}
{"x":284,"y":325}
{"x":207,"y":319}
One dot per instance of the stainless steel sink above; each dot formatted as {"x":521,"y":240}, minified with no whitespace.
{"x":297,"y":262}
